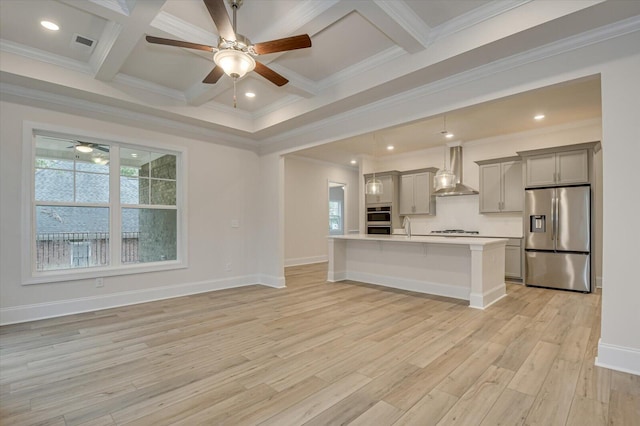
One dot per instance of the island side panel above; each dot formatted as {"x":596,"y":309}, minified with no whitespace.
{"x":487,"y":274}
{"x":438,"y":269}
{"x":337,"y":253}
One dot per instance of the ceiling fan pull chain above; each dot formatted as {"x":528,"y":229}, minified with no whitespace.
{"x":234,"y":93}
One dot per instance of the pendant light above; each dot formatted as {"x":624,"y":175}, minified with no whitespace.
{"x":444,"y":178}
{"x":373,"y":185}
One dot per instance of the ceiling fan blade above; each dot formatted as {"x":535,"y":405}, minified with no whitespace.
{"x":214,"y":75}
{"x":283,"y":44}
{"x":179,"y":43}
{"x":270,"y":74}
{"x":220,"y":17}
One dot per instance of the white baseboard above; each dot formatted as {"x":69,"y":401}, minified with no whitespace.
{"x":305,"y":260}
{"x":598,"y":282}
{"x":271,"y":281}
{"x":24,"y":313}
{"x":427,"y":287}
{"x":618,"y":358}
{"x":488,"y":298}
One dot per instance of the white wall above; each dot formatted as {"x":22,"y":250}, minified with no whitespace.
{"x":269,"y":208}
{"x":619,"y":346}
{"x":306,"y":207}
{"x":462,"y":212}
{"x":221,"y":188}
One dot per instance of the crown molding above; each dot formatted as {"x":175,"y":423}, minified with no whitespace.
{"x":120,"y":6}
{"x":474,"y":17}
{"x":400,"y":12}
{"x":83,"y":107}
{"x":302,"y":13}
{"x":226,"y":109}
{"x":107,"y":40}
{"x":42,"y":56}
{"x":361,"y":67}
{"x":275,"y":106}
{"x":181,"y":29}
{"x":148,"y":86}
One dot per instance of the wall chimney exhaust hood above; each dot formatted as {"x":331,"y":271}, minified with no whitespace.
{"x":455,"y":157}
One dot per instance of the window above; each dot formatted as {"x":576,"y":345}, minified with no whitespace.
{"x":103,"y":208}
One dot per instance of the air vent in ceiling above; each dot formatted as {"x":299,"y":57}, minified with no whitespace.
{"x":82,"y":43}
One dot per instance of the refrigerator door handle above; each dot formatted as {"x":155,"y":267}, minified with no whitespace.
{"x":554,"y":219}
{"x":557,"y":219}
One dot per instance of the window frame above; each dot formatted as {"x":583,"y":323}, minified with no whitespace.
{"x":29,"y":273}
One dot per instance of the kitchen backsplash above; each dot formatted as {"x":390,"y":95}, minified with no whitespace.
{"x":461,"y":212}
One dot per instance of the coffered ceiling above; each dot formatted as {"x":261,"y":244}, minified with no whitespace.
{"x":362,"y":53}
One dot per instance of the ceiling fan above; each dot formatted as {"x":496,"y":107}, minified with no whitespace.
{"x":234,"y":54}
{"x":87,"y":147}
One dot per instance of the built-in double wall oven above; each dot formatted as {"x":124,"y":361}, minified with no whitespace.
{"x":379,"y":220}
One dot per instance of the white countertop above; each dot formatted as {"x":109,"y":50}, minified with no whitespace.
{"x":423,"y":239}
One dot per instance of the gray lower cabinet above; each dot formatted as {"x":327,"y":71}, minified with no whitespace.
{"x":513,"y":259}
{"x":501,"y":185}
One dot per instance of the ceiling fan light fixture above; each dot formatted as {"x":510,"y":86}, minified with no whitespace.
{"x":84,"y":148}
{"x":234,"y":63}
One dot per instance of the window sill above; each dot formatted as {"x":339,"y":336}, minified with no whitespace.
{"x":91,"y":273}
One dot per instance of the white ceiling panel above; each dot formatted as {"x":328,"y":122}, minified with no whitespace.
{"x":193,"y":12}
{"x":266,"y":93}
{"x":20,"y":23}
{"x":346,"y":42}
{"x":437,"y":12}
{"x":168,"y":66}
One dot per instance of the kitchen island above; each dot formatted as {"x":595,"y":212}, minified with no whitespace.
{"x":463,"y":268}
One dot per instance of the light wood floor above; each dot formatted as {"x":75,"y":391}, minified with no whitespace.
{"x":317,"y":353}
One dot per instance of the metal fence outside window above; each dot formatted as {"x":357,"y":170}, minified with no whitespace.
{"x":67,"y":250}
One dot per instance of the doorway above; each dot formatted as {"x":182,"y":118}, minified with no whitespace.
{"x":336,"y":208}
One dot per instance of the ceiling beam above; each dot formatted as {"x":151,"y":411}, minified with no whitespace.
{"x":398,"y":22}
{"x":120,"y":40}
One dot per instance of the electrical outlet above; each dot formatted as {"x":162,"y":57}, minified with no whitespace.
{"x":235,"y":223}
{"x":227,"y":267}
{"x":99,"y":282}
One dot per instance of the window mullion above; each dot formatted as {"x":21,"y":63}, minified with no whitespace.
{"x":114,"y":204}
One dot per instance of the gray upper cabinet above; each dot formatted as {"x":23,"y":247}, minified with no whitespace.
{"x":388,"y":188}
{"x":558,"y":168}
{"x":501,"y":185}
{"x":416,"y":193}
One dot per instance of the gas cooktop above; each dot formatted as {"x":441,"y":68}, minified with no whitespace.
{"x":456,"y":231}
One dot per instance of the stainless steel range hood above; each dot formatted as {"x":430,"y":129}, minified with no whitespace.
{"x":455,"y":156}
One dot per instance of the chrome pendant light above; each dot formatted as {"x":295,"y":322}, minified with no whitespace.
{"x":445,"y":178}
{"x":373,"y":185}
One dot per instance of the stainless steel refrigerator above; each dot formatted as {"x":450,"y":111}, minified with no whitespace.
{"x":558,"y":238}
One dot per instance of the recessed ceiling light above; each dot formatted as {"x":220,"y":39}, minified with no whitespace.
{"x":390,"y":147}
{"x":448,"y":135}
{"x":354,"y":161}
{"x":538,"y":117}
{"x":50,"y":25}
{"x":250,"y":95}
{"x":134,"y":155}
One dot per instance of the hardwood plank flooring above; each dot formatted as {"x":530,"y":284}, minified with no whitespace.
{"x":317,"y":353}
